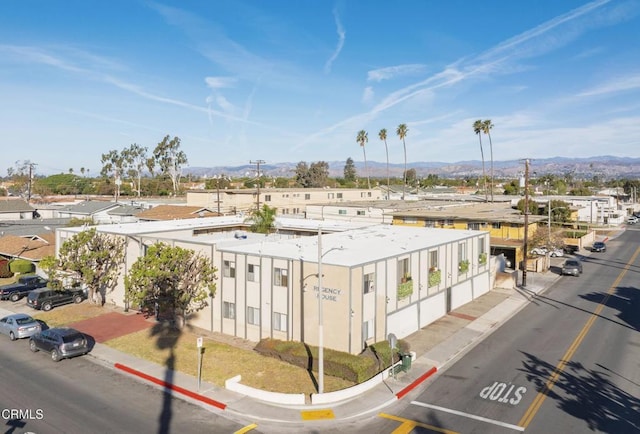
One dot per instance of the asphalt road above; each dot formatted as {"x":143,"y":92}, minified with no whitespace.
{"x":79,"y":396}
{"x":566,"y":363}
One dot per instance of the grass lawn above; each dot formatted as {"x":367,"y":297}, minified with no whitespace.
{"x":219,"y":361}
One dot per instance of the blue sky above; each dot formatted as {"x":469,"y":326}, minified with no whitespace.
{"x":289,"y":81}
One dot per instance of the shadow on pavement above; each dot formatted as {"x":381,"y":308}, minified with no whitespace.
{"x":626,"y":300}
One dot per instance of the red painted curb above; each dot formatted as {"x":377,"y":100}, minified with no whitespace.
{"x":419,"y":380}
{"x":170,"y":386}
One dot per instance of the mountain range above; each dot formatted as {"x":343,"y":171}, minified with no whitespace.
{"x":604,"y":167}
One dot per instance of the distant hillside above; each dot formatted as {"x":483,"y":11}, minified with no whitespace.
{"x":581,"y":168}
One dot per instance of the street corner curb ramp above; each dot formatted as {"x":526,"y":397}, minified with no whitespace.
{"x":170,"y":386}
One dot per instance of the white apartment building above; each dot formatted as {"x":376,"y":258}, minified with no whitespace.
{"x":376,"y":280}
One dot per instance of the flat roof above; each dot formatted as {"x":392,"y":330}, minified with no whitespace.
{"x":492,"y":212}
{"x":354,"y":247}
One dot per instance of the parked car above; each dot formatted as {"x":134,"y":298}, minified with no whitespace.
{"x":556,"y":253}
{"x":47,"y":298}
{"x":61,"y":343}
{"x":599,"y":246}
{"x":18,"y":326}
{"x":24,"y":284}
{"x":539,"y":251}
{"x":572,"y":267}
{"x":570,"y":249}
{"x":632,"y":220}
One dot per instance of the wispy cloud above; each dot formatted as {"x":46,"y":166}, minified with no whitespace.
{"x":391,"y":72}
{"x":617,"y":85}
{"x":367,"y":95}
{"x":220,"y":82}
{"x":341,"y":39}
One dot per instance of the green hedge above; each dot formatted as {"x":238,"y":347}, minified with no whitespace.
{"x":21,"y":266}
{"x":356,"y":369}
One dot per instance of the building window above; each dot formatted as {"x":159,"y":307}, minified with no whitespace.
{"x":280,"y":277}
{"x":339,"y":195}
{"x":410,"y":220}
{"x":267,"y":198}
{"x":307,"y":196}
{"x":404,"y":273}
{"x":496,"y":225}
{"x":462,"y":251}
{"x":229,"y":310}
{"x":368,"y":282}
{"x":229,"y":269}
{"x":367,"y":330}
{"x":253,"y":272}
{"x":330,"y":195}
{"x":433,"y":260}
{"x":342,"y":212}
{"x":279,"y":322}
{"x":360,"y":212}
{"x":369,"y":194}
{"x":253,"y":315}
{"x":473,"y":226}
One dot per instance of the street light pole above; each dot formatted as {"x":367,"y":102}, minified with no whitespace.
{"x":526,"y":222}
{"x":320,"y":321}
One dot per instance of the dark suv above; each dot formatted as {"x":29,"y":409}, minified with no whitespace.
{"x":47,"y":298}
{"x":24,"y":284}
{"x":60,"y":343}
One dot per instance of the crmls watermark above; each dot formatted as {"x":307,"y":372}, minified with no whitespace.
{"x":22,"y":414}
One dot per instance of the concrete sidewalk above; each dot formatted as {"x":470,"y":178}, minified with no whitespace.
{"x":436,"y":346}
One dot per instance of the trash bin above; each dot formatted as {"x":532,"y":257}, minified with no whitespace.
{"x":406,"y":362}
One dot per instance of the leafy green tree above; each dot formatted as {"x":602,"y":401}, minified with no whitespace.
{"x":411,"y":176}
{"x":301,"y":176}
{"x":580,"y":191}
{"x":560,"y":211}
{"x":478,"y":128}
{"x":136,"y":158}
{"x":363,"y":138}
{"x":319,"y":173}
{"x":511,"y":188}
{"x":263,"y":220}
{"x":533,"y":207}
{"x":95,"y":259}
{"x":19,"y":176}
{"x":173,"y":278}
{"x":113,"y":164}
{"x":170,"y":159}
{"x":349,"y":170}
{"x":401,"y":131}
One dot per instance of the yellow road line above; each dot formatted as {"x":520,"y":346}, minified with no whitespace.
{"x":246,"y":429}
{"x":541,"y":396}
{"x":407,"y":425}
{"x":317,"y":414}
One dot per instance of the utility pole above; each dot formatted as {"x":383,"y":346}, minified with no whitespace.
{"x":257,"y":163}
{"x":526,"y":222}
{"x":30,"y":181}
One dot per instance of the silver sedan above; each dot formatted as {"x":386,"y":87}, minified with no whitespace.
{"x":18,"y":326}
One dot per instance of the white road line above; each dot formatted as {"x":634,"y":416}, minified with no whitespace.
{"x":470,"y":416}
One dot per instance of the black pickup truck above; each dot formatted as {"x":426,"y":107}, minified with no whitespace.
{"x":15,"y":291}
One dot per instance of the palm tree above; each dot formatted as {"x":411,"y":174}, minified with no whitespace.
{"x":363,"y":138}
{"x":383,"y":136}
{"x":478,"y":128}
{"x":402,"y":133}
{"x":486,"y":128}
{"x":262,"y":220}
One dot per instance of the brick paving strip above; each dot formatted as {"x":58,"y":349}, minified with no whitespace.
{"x":463,"y":316}
{"x":112,"y":325}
